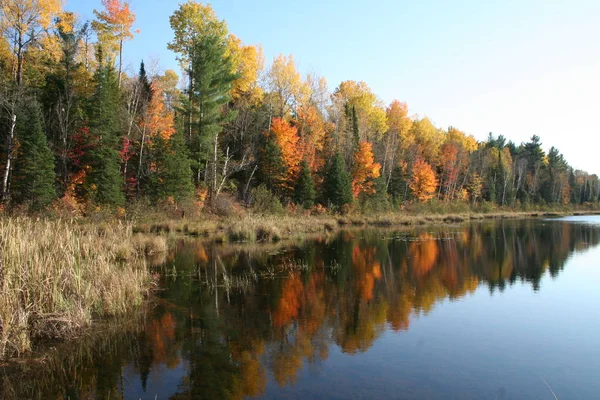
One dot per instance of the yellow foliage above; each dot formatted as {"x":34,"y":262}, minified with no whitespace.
{"x":288,"y":91}
{"x":190,"y":21}
{"x":248,"y":62}
{"x":372,"y":116}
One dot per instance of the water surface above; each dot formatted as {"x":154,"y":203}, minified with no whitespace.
{"x":494,"y":310}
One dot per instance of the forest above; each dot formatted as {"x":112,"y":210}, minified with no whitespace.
{"x":79,"y":133}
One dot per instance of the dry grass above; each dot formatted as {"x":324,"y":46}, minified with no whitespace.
{"x":56,"y":276}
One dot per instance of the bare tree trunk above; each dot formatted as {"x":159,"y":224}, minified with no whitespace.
{"x":213,"y":184}
{"x":139,"y":172}
{"x":7,"y":167}
{"x":120,"y":61}
{"x":249,"y":180}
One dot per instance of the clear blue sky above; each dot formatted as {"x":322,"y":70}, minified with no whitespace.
{"x":510,"y":67}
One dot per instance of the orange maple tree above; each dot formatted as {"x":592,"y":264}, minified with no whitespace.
{"x":365,"y":170}
{"x":423,"y":182}
{"x":286,"y":137}
{"x":159,"y":121}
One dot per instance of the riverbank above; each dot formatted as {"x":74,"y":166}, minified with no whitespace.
{"x":57,"y":277}
{"x":274,"y":228}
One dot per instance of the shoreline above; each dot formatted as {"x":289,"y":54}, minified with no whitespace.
{"x":275,"y":228}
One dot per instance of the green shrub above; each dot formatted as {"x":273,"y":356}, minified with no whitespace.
{"x":263,"y":201}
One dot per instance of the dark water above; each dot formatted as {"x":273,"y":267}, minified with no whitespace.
{"x":503,"y":310}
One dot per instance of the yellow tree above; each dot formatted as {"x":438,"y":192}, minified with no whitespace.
{"x":247,"y":62}
{"x":113,"y":27}
{"x":191,"y":22}
{"x":396,"y":137}
{"x":23,"y":23}
{"x":365,"y":170}
{"x":370,"y":110}
{"x":428,"y":139}
{"x":423,"y":182}
{"x":287,"y":90}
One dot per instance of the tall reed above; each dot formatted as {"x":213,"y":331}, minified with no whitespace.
{"x":56,"y":276}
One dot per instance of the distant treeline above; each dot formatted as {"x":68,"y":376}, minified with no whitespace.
{"x":79,"y":131}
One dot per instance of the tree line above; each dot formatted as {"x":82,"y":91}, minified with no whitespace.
{"x":78,"y":130}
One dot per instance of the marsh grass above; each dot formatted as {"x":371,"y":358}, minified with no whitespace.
{"x":57,"y":276}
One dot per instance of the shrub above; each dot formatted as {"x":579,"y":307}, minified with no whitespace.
{"x":263,"y":201}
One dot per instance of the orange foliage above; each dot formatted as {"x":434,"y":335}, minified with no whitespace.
{"x":368,"y":270}
{"x":365,"y":170}
{"x":312,"y":129}
{"x":287,"y":138}
{"x":289,"y":304}
{"x":450,"y":167}
{"x":423,"y":182}
{"x":118,"y":15}
{"x":423,"y":254}
{"x":159,"y":121}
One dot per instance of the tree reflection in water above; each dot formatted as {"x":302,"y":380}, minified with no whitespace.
{"x":230,"y":317}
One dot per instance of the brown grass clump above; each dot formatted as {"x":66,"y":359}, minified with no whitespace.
{"x":55,"y":276}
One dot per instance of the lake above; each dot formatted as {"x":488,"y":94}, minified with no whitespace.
{"x":487,"y":310}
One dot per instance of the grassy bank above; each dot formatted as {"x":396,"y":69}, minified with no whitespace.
{"x":57,"y":276}
{"x":273,"y":228}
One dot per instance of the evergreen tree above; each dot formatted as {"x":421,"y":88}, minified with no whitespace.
{"x":146,"y":91}
{"x":34,"y":176}
{"x":304,"y":192}
{"x":173,"y":175}
{"x":212,"y":80}
{"x":271,"y":168}
{"x":355,"y":132}
{"x":397,"y":185}
{"x":338,"y":185}
{"x":104,"y":180}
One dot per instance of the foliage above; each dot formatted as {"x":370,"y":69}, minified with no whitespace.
{"x":423,"y":182}
{"x":263,"y":201}
{"x":337,"y":184}
{"x":304,"y":192}
{"x":34,"y":175}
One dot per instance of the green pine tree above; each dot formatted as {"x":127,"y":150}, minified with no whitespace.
{"x":34,"y":176}
{"x":338,"y":185}
{"x":271,"y":168}
{"x":304,"y":192}
{"x":173,"y":176}
{"x":105,"y":180}
{"x":212,"y":80}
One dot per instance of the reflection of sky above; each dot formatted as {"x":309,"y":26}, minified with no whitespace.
{"x":162,"y":382}
{"x":501,"y":345}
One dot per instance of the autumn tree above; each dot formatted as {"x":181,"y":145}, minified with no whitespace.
{"x":423,"y":182}
{"x":192,"y":23}
{"x":365,"y":170}
{"x":286,"y":137}
{"x":369,"y":110}
{"x":24,"y":22}
{"x":395,"y":138}
{"x":287,"y":90}
{"x":113,"y":27}
{"x":65,"y":91}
